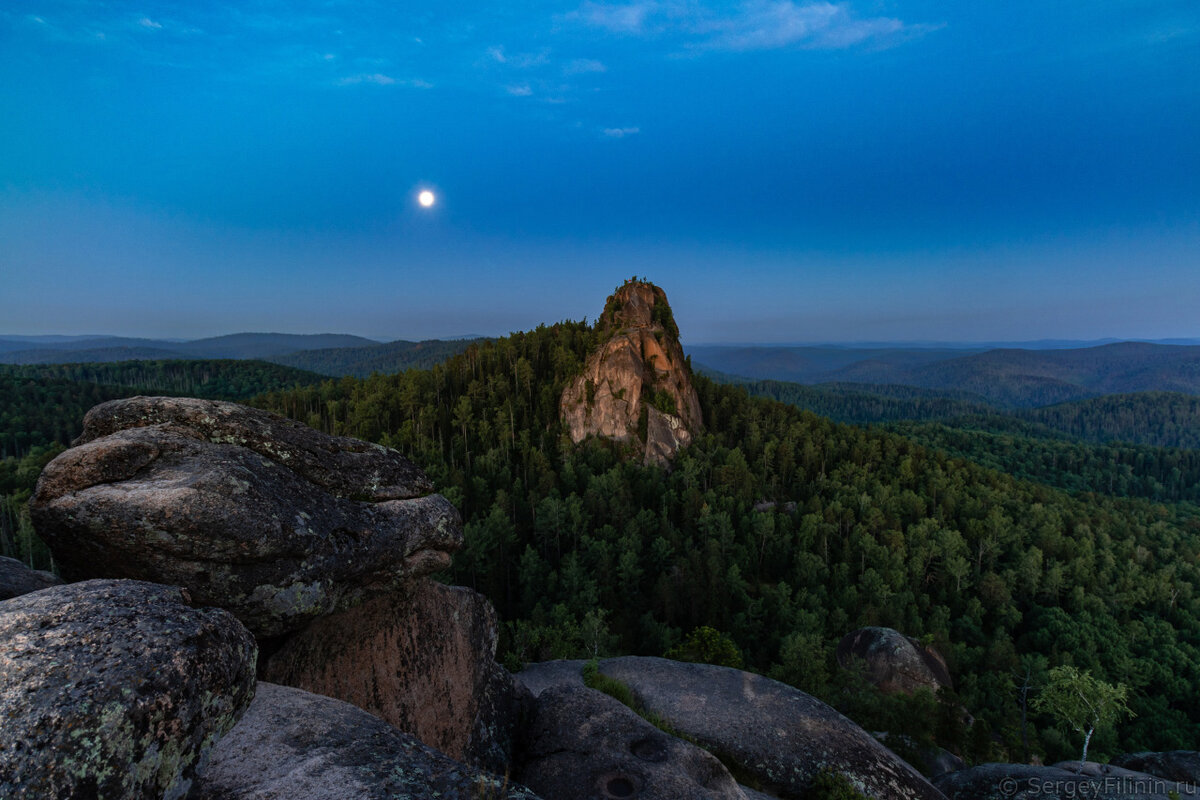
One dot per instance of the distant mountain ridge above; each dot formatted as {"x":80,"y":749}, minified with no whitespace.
{"x":1009,"y":378}
{"x":330,"y":354}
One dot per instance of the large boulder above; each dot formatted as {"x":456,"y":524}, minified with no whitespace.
{"x":292,"y":744}
{"x":422,"y":661}
{"x":17,"y":579}
{"x":1174,"y":765}
{"x":250,"y":511}
{"x":1025,"y":782}
{"x":115,"y":689}
{"x":584,"y":745}
{"x":770,"y":732}
{"x":894,"y":662}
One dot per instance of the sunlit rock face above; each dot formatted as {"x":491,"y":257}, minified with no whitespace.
{"x":636,"y":386}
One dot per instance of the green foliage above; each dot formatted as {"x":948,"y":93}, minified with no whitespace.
{"x":593,"y":678}
{"x":1081,"y":702}
{"x":777,"y":527}
{"x":706,"y":645}
{"x":661,"y":315}
{"x":1155,"y":473}
{"x":864,"y":527}
{"x":44,"y":404}
{"x":664,"y":401}
{"x":831,"y":785}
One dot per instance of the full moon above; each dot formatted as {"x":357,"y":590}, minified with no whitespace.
{"x":426,"y":198}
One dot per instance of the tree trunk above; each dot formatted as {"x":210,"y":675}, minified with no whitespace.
{"x":1087,"y":738}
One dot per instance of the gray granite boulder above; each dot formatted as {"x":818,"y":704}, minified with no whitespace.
{"x":894,"y":662}
{"x":423,"y":661}
{"x":115,"y":689}
{"x":17,"y":579}
{"x":251,"y":512}
{"x":1175,"y":765}
{"x":584,"y":745}
{"x":1026,"y":782}
{"x":769,"y":732}
{"x":293,"y":745}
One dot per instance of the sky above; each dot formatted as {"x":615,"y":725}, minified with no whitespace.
{"x":787,"y":170}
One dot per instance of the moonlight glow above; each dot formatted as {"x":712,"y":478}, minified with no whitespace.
{"x":426,"y":198}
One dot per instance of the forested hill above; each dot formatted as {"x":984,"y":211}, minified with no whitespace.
{"x":362,"y":361}
{"x":44,"y":404}
{"x":784,"y":531}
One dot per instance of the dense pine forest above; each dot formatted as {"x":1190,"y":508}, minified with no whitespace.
{"x":782,"y":531}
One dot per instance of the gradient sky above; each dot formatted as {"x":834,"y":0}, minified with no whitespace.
{"x":787,"y":170}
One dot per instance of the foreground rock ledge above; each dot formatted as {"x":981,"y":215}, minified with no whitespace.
{"x":251,"y":512}
{"x":293,"y":745}
{"x":765,"y":730}
{"x":583,"y":744}
{"x":115,"y":689}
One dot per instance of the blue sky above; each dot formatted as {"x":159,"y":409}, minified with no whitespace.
{"x":786,"y":170}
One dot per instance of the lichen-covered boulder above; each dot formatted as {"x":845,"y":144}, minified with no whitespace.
{"x":779,"y":735}
{"x":895,"y":663}
{"x":293,"y":745}
{"x":251,"y":512}
{"x":115,"y":689}
{"x":17,"y":579}
{"x":423,"y":661}
{"x":1175,"y":765}
{"x":584,"y":745}
{"x":1026,"y":782}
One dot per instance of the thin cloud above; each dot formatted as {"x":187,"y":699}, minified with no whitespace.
{"x":753,"y":25}
{"x":621,"y":133}
{"x":583,"y":66}
{"x":519,"y":90}
{"x":518,"y":60}
{"x":146,"y":22}
{"x":380,"y":79}
{"x":377,"y":78}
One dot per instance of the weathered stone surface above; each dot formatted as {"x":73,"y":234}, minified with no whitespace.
{"x":423,"y":661}
{"x":537,"y":678}
{"x":293,"y":745}
{"x":115,"y":689}
{"x":583,"y":744}
{"x":1025,"y":782}
{"x":1175,"y":765}
{"x":779,"y":735}
{"x":249,"y":511}
{"x":896,"y":663}
{"x":640,"y":357}
{"x":343,"y":466}
{"x":17,"y":579}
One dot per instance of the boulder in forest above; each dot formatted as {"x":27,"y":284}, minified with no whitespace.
{"x":17,"y":579}
{"x":423,"y":661}
{"x":293,"y":744}
{"x":250,"y":511}
{"x":583,"y":744}
{"x":636,"y":387}
{"x":115,"y":689}
{"x":895,"y":663}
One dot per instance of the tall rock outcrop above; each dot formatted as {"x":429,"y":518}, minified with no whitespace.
{"x":636,"y":386}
